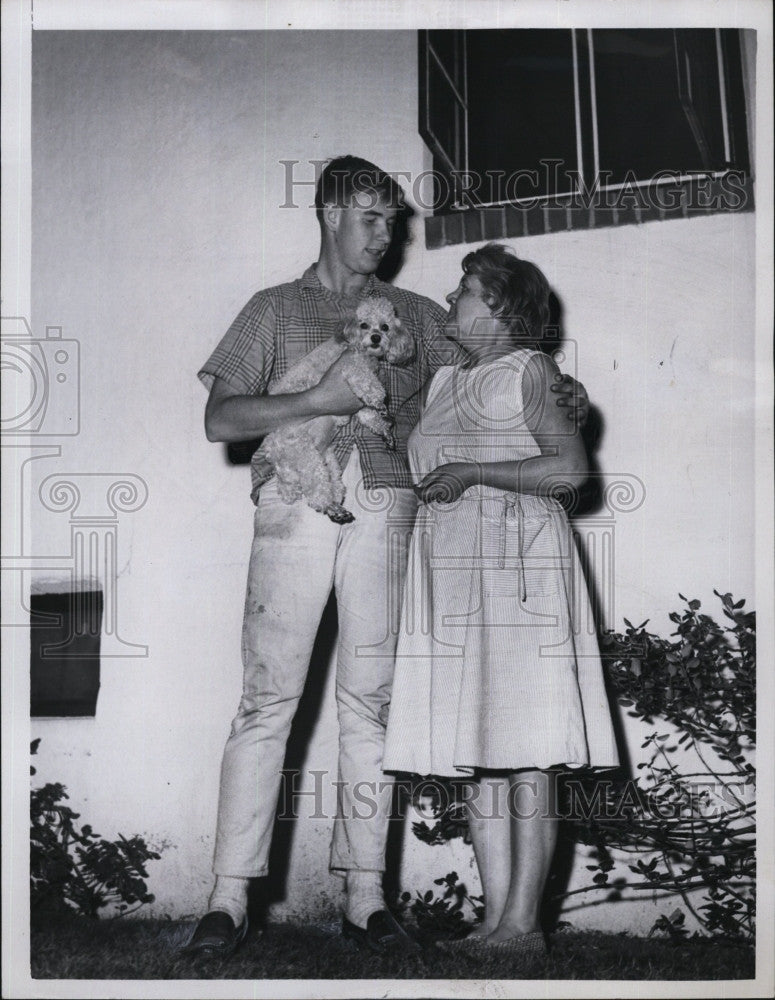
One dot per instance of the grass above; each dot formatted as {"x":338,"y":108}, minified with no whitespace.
{"x":78,"y":948}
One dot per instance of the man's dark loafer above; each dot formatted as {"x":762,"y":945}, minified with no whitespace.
{"x":216,"y":936}
{"x":383,"y":935}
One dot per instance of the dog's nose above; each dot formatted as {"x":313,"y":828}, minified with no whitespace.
{"x":375,"y":339}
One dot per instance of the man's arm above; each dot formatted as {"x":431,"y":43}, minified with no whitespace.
{"x":572,"y":395}
{"x":232,"y":416}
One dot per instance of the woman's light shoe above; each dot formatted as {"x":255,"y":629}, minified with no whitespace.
{"x":470,"y":943}
{"x":526,"y":949}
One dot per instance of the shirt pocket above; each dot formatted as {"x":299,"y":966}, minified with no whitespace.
{"x":403,"y":386}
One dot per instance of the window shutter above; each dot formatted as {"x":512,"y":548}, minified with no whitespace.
{"x":443,"y":97}
{"x":697,"y":70}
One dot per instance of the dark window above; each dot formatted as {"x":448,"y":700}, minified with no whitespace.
{"x":65,"y":653}
{"x":521,"y":108}
{"x":517,"y":114}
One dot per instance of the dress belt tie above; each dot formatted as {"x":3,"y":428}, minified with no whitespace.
{"x":509,"y":503}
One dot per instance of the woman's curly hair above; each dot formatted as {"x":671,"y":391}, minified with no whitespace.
{"x":515,"y":290}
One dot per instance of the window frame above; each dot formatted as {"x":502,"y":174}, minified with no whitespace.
{"x":585,"y":108}
{"x":429,"y":55}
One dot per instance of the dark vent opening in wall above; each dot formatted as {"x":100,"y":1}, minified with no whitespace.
{"x":65,"y":653}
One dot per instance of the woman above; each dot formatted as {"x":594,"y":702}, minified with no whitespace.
{"x":493,"y":679}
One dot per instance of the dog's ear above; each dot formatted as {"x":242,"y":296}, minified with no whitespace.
{"x":401,"y":346}
{"x":349,"y":332}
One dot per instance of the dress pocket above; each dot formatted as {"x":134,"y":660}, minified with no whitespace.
{"x":540,"y":556}
{"x":522,"y":554}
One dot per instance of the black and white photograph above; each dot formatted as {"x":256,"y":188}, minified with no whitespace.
{"x":387,"y":517}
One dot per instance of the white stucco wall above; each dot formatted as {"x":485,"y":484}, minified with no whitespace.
{"x":156,"y":193}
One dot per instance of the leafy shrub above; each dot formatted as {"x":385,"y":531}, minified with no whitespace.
{"x":689,"y":819}
{"x":694,"y":819}
{"x":74,"y":869}
{"x":444,"y":916}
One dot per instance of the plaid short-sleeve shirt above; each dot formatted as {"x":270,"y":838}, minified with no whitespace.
{"x":280,"y":325}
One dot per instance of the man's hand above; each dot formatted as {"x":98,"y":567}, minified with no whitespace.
{"x":447,"y":482}
{"x":572,"y":395}
{"x":332,"y":395}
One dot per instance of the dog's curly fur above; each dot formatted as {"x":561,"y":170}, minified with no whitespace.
{"x":300,"y":452}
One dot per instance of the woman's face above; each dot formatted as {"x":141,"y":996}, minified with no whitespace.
{"x":467,"y":321}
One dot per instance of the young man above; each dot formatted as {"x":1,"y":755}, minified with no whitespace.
{"x":298,"y":555}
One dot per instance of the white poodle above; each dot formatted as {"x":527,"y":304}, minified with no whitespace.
{"x":300,"y":451}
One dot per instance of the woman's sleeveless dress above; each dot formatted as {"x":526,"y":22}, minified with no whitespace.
{"x":497,"y":663}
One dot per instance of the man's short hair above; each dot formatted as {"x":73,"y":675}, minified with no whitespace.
{"x":516,"y":290}
{"x":347,"y":177}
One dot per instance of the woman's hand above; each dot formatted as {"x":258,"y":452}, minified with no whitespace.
{"x":572,"y":395}
{"x":447,"y":482}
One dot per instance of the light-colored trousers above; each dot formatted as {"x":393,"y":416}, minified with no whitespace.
{"x":298,"y":555}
